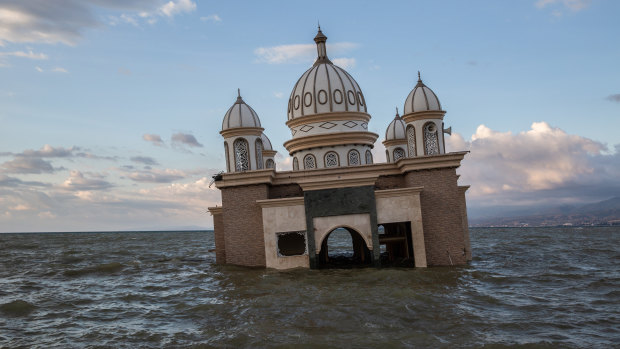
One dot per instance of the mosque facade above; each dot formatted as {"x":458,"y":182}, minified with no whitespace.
{"x":411,"y":206}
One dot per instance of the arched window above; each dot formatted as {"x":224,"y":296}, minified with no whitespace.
{"x":399,"y":153}
{"x":295,"y":164}
{"x":354,"y":157}
{"x":387,"y":156}
{"x":309,"y":162}
{"x":368,"y":157}
{"x":259,"y":154}
{"x":242,"y":159}
{"x":411,"y":141}
{"x":227,"y":160}
{"x":331,"y":159}
{"x":431,"y":145}
{"x":270,"y":163}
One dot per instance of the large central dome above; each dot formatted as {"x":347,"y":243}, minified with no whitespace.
{"x":325,"y":88}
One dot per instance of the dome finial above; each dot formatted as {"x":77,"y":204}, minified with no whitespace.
{"x":419,"y":78}
{"x":239,"y":99}
{"x":320,"y":40}
{"x":397,"y":116}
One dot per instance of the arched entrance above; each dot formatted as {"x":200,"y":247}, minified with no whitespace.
{"x":344,"y":247}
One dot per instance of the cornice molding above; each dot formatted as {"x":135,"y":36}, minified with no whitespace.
{"x":242,"y":131}
{"x":269,"y":152}
{"x":392,"y":142}
{"x":215,"y":210}
{"x":281,"y":202}
{"x":388,"y":193}
{"x":423,"y":115}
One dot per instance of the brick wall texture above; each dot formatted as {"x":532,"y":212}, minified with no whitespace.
{"x":220,"y":244}
{"x":441,"y":202}
{"x":243,"y":225}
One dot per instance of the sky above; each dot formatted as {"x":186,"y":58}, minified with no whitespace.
{"x":110,"y":110}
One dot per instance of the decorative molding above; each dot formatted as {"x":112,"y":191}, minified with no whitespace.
{"x":388,"y":193}
{"x":214,"y":211}
{"x":246,"y":178}
{"x":296,"y":201}
{"x":323,"y":117}
{"x":392,"y":142}
{"x":242,"y":131}
{"x":330,"y":139}
{"x":338,"y":182}
{"x":268,"y":153}
{"x":423,"y":115}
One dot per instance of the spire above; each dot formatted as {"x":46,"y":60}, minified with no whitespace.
{"x":321,"y":49}
{"x":420,"y":83}
{"x":239,"y":99}
{"x":397,"y":116}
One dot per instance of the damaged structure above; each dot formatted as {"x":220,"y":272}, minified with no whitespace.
{"x":411,"y":205}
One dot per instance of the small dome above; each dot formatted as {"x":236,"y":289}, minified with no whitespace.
{"x":396,"y":129}
{"x":325,"y":88}
{"x":421,"y":98}
{"x":240,"y":115}
{"x":266,"y":142}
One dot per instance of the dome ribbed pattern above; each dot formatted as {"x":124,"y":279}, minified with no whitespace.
{"x":325,"y":88}
{"x":396,"y":129}
{"x":240,"y":115}
{"x":421,"y":98}
{"x":266,"y":142}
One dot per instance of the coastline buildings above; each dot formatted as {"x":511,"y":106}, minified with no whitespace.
{"x":412,"y":204}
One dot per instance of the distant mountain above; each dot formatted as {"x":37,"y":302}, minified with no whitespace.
{"x":605,"y":212}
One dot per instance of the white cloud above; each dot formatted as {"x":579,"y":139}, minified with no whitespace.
{"x":157,"y":176}
{"x":22,"y":54}
{"x":78,"y":182}
{"x":344,"y":63}
{"x":543,"y":162}
{"x":185,"y":138}
{"x":59,"y":70}
{"x":211,"y":18}
{"x":297,"y":53}
{"x":278,"y":94}
{"x":39,"y":69}
{"x":172,"y":8}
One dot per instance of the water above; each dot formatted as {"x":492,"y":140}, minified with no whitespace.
{"x":552,"y":287}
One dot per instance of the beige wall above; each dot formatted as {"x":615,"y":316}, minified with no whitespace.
{"x":279,"y":219}
{"x":403,"y":205}
{"x":358,"y":222}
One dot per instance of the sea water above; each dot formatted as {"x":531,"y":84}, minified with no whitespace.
{"x":541,"y":287}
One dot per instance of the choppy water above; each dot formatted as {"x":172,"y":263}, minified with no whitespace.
{"x":550,"y":287}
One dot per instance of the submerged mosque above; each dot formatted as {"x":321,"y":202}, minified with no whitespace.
{"x":411,"y":206}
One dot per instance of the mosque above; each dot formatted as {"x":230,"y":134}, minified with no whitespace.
{"x":410,"y":207}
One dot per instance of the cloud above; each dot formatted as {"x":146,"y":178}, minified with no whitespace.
{"x":59,"y":70}
{"x":184,"y":138}
{"x":51,"y":22}
{"x":11,"y":182}
{"x":614,"y":98}
{"x":78,"y":182}
{"x":543,"y":163}
{"x":172,"y":8}
{"x":278,"y":94}
{"x":211,"y":18}
{"x":49,"y":151}
{"x":124,"y":71}
{"x":155,"y":139}
{"x":39,"y":69}
{"x":298,"y":53}
{"x":27,"y":165}
{"x":572,"y":5}
{"x":157,"y":176}
{"x":344,"y":63}
{"x":22,"y":54}
{"x":146,"y":160}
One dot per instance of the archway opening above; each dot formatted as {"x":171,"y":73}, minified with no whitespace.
{"x":344,"y":248}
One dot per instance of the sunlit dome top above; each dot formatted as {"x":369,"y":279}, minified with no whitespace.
{"x":396,"y":129}
{"x":240,"y":115}
{"x":421,"y":98}
{"x":325,"y":88}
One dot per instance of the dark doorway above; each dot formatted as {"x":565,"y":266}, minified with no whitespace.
{"x":396,"y":244}
{"x":344,"y":248}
